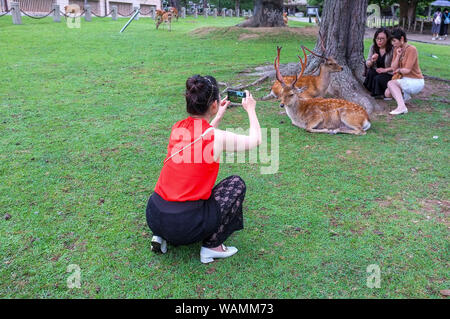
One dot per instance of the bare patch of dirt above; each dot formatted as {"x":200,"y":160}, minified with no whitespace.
{"x":248,"y":36}
{"x":384,"y":202}
{"x":433,"y":208}
{"x":431,"y":88}
{"x":254,"y":33}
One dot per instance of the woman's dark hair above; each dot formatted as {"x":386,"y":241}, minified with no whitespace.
{"x":438,"y":10}
{"x":398,"y":34}
{"x":201,"y":91}
{"x":388,"y":40}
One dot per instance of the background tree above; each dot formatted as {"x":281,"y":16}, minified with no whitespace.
{"x":342,"y":27}
{"x":408,"y":8}
{"x":266,"y":13}
{"x":176,"y":4}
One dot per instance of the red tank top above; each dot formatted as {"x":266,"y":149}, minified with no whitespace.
{"x":190,"y":174}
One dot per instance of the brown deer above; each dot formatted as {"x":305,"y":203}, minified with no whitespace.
{"x":319,"y":115}
{"x":316,"y":85}
{"x":285,"y":18}
{"x":72,"y":8}
{"x":165,"y":18}
{"x":174,"y":12}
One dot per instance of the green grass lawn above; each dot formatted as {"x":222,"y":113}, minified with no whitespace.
{"x":85,"y":116}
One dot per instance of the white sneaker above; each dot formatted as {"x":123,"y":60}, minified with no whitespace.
{"x":159,"y":245}
{"x":440,"y":38}
{"x":207,"y":255}
{"x":433,"y":38}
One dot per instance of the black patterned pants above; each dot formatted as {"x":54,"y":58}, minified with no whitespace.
{"x":229,"y":195}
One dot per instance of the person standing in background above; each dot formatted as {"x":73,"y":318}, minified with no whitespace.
{"x":444,"y":25}
{"x":437,"y":19}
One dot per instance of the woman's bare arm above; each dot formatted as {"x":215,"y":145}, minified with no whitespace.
{"x":232,"y":142}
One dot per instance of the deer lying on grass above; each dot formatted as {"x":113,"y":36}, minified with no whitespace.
{"x":316,"y":85}
{"x":319,"y":115}
{"x":166,"y":18}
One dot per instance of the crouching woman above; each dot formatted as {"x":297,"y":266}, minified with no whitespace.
{"x":185,"y":206}
{"x":408,"y":78}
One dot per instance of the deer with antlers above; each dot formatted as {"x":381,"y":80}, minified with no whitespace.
{"x":163,"y":17}
{"x":316,"y":85}
{"x":319,"y":115}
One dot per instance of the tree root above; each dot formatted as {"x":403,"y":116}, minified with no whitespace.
{"x":243,"y":86}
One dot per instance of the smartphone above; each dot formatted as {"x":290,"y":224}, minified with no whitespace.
{"x":236,"y":96}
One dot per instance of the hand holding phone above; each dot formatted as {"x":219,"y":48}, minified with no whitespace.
{"x":236,"y":96}
{"x":248,"y":103}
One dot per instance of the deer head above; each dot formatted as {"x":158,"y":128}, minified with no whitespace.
{"x":289,"y":94}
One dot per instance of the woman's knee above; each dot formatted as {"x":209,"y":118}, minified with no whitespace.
{"x":392,"y":83}
{"x":239,"y":181}
{"x":387,"y":93}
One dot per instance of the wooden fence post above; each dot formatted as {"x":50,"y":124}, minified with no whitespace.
{"x":195,"y":13}
{"x":56,"y":14}
{"x":183,"y":13}
{"x":16,"y":16}
{"x":224,"y":12}
{"x":215,"y":12}
{"x":237,"y":13}
{"x":114,"y":13}
{"x":205,"y":12}
{"x":87,"y":14}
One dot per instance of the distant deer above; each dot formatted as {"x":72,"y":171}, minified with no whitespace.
{"x":319,"y":115}
{"x":72,"y":11}
{"x":165,"y":18}
{"x":316,"y":85}
{"x":174,"y":12}
{"x":72,"y":8}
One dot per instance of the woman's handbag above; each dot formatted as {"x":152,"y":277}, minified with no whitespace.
{"x":397,"y":76}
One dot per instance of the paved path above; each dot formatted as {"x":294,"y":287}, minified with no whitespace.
{"x":417,"y":37}
{"x":425,"y":38}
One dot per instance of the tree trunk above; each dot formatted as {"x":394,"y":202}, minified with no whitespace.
{"x":175,"y":4}
{"x":342,"y":27}
{"x":266,"y":13}
{"x":237,"y":5}
{"x":408,"y":11}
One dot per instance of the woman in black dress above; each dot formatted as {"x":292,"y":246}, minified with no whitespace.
{"x":379,"y":64}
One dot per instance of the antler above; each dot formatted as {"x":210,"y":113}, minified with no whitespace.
{"x":313,"y":53}
{"x":322,"y":43}
{"x":323,"y":48}
{"x":276,"y":64}
{"x":303,"y":64}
